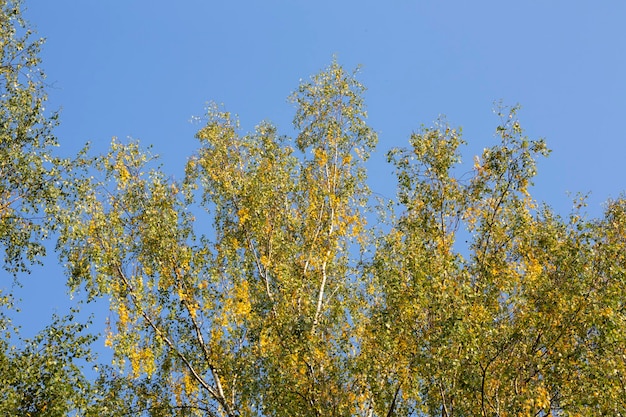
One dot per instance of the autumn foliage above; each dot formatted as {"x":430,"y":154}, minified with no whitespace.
{"x":269,"y":281}
{"x":291,"y":300}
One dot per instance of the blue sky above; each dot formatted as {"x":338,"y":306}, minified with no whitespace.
{"x":143,"y":69}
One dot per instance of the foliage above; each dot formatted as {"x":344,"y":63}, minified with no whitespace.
{"x":43,"y":377}
{"x":291,"y":305}
{"x":30,"y":176}
{"x":520,"y":321}
{"x":258,"y":316}
{"x":255,"y":286}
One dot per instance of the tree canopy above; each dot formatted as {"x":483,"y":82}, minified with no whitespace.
{"x":270,"y":282}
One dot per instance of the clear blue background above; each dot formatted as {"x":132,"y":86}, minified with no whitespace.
{"x":143,"y":69}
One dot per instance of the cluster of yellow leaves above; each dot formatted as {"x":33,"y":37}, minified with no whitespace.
{"x":237,"y":304}
{"x":123,"y":173}
{"x":108,"y":341}
{"x":321,"y":156}
{"x":142,"y":361}
{"x":185,"y":388}
{"x":244,"y":215}
{"x":122,"y":313}
{"x":533,"y":268}
{"x":241,"y":306}
{"x":539,"y":402}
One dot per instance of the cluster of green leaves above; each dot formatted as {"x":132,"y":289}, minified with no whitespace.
{"x":471,"y":300}
{"x":30,"y":177}
{"x":41,"y":376}
{"x":44,"y":376}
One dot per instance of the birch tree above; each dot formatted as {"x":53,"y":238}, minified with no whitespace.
{"x":30,"y":179}
{"x":255,"y":286}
